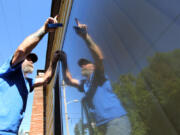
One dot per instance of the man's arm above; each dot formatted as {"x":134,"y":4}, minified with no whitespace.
{"x":31,"y":41}
{"x":81,"y":30}
{"x":66,"y":74}
{"x":50,"y":71}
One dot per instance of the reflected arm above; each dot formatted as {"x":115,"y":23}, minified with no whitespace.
{"x":95,"y":51}
{"x":81,"y":30}
{"x":67,"y":75}
{"x":50,"y":71}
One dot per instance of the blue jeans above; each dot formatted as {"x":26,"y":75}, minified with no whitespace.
{"x":117,"y":126}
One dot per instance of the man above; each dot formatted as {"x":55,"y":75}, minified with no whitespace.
{"x":109,"y":114}
{"x":14,"y":83}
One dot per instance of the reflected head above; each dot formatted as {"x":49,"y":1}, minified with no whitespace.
{"x":83,"y":61}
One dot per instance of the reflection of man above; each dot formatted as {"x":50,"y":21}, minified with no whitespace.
{"x":107,"y":110}
{"x":14,"y":83}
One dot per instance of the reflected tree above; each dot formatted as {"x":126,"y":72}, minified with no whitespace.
{"x":163,"y":79}
{"x":152,"y":97}
{"x":79,"y":130}
{"x":132,"y":98}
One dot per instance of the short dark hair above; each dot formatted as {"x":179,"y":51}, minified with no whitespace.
{"x":83,"y":61}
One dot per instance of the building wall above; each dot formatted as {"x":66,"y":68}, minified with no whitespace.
{"x":55,"y":43}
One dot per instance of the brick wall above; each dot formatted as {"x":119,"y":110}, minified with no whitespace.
{"x":36,"y":127}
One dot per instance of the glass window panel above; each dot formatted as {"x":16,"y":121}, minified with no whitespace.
{"x":140,"y":43}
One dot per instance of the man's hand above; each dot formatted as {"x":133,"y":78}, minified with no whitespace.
{"x":57,"y":56}
{"x":52,"y":21}
{"x":81,"y":29}
{"x":63,"y":56}
{"x":50,"y":71}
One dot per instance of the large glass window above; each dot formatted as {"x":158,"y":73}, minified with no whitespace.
{"x":135,"y":89}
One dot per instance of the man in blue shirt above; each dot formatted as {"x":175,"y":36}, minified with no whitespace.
{"x":14,"y":83}
{"x":106,"y":109}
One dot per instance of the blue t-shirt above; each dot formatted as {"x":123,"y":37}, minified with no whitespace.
{"x":14,"y":89}
{"x":102,"y":102}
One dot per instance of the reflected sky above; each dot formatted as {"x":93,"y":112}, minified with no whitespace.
{"x":128,"y":32}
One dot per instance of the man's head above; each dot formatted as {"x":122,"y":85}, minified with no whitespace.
{"x":87,"y":67}
{"x":27,"y":65}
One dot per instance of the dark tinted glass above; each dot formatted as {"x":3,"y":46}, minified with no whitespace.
{"x":140,"y":43}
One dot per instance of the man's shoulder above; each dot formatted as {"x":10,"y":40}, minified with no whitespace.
{"x":31,"y":82}
{"x":81,"y":85}
{"x":98,"y":77}
{"x":7,"y":67}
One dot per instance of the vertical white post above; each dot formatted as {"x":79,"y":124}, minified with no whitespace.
{"x":65,"y":107}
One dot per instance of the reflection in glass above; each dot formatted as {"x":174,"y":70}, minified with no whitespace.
{"x":104,"y":110}
{"x":140,"y":45}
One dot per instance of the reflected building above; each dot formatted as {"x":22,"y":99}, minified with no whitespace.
{"x":140,"y":42}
